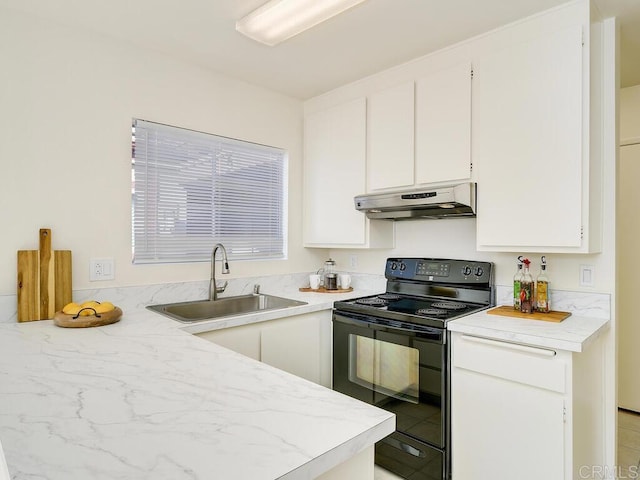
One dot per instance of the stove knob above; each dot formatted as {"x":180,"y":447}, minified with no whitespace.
{"x":466,"y":270}
{"x":394,"y":266}
{"x":403,"y":267}
{"x":479,"y":272}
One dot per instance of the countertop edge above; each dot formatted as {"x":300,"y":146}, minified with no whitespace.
{"x":314,"y":302}
{"x":574,"y":334}
{"x":251,"y":318}
{"x":342,"y":453}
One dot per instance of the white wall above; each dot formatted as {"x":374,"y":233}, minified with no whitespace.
{"x":627,"y":237}
{"x":630,"y":114}
{"x":67,"y":98}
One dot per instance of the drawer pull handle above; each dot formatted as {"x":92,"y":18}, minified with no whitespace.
{"x":512,"y":346}
{"x":405,"y":447}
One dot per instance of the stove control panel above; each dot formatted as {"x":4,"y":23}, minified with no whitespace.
{"x":438,"y":270}
{"x":435,"y":269}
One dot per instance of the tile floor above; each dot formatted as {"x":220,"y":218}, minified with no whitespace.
{"x":628,"y":449}
{"x":628,"y":444}
{"x":380,"y":473}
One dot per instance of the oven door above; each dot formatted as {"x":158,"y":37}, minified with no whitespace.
{"x":400,"y":369}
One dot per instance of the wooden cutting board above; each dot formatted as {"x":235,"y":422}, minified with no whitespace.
{"x":508,"y":311}
{"x":44,"y":280}
{"x":324,"y":290}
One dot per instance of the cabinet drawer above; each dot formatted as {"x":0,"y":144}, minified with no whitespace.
{"x":539,"y":367}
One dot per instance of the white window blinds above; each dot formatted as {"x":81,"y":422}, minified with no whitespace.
{"x":192,"y":190}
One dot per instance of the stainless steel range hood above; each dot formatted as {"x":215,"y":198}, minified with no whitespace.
{"x":443,"y":201}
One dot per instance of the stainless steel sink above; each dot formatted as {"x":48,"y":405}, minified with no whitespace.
{"x":198,"y":310}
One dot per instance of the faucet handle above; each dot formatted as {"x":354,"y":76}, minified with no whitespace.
{"x":256,"y":289}
{"x":220,"y":288}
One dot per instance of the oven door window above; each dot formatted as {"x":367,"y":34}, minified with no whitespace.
{"x":385,"y":367}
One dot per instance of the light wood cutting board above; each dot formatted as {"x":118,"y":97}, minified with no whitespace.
{"x":508,"y":311}
{"x":44,"y":280}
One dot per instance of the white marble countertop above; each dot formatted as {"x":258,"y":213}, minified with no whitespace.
{"x":572,"y":334}
{"x":142,"y":398}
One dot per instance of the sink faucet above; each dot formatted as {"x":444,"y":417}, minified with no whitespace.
{"x":214,"y":289}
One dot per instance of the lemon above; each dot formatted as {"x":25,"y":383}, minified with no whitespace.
{"x":105,"y":307}
{"x":87,"y":308}
{"x":71,"y":308}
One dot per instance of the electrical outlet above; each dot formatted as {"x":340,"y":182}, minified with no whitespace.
{"x":101,"y":269}
{"x":353,"y":261}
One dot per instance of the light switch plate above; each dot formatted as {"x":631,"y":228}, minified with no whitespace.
{"x":586,"y":276}
{"x":101,"y":269}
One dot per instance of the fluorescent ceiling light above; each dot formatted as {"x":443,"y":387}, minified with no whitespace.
{"x":277,"y":20}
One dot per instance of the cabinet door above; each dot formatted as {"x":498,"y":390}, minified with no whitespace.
{"x":504,"y":430}
{"x":527,"y":144}
{"x":507,"y":410}
{"x":300,"y":345}
{"x":334,"y":173}
{"x":391,"y":134}
{"x":244,"y":339}
{"x":293,"y":345}
{"x":443,"y":125}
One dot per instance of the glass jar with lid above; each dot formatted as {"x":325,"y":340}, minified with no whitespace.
{"x":330,"y":276}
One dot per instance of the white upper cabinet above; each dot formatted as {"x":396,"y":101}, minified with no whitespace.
{"x":420,"y":132}
{"x":443,"y":125}
{"x":390,"y":129}
{"x":530,"y":122}
{"x":526,"y":127}
{"x":334,"y":173}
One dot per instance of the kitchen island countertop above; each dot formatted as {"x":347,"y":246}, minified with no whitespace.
{"x":142,"y":398}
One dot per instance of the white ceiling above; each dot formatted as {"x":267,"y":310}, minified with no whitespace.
{"x":371,"y":37}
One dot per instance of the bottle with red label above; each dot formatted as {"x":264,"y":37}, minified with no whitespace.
{"x":526,"y":289}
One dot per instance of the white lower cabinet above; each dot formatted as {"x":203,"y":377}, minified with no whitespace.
{"x":300,"y":344}
{"x":244,"y":339}
{"x":524,"y":412}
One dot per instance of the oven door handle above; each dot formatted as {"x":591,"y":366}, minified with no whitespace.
{"x":370,"y":322}
{"x":353,"y":319}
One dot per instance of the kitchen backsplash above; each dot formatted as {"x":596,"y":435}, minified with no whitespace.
{"x":137,"y":297}
{"x":596,"y":305}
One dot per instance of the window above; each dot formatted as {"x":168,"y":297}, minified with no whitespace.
{"x":192,"y":190}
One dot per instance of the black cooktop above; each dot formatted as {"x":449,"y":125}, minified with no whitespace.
{"x":436,"y":308}
{"x":428,"y":291}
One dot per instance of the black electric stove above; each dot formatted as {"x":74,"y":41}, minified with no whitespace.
{"x":392,"y":350}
